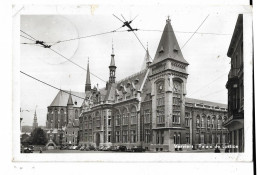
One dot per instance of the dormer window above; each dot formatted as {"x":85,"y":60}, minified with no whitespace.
{"x":175,"y":50}
{"x":161,"y":50}
{"x":128,"y":84}
{"x":136,"y":80}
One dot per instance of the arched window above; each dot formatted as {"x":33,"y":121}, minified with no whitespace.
{"x":62,"y":117}
{"x":203,"y":121}
{"x":76,"y":114}
{"x":219,"y":122}
{"x":213,"y":122}
{"x":117,"y":119}
{"x":133,"y":116}
{"x":125,"y":117}
{"x":97,"y":119}
{"x":208,"y":122}
{"x":198,"y":121}
{"x":56,"y":118}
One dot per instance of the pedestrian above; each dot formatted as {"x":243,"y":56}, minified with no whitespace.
{"x":40,"y":149}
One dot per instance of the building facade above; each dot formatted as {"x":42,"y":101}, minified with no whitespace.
{"x":150,"y":108}
{"x":62,"y":122}
{"x":235,"y":87}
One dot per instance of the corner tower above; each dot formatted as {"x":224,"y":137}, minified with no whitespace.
{"x":168,"y":78}
{"x":112,"y":68}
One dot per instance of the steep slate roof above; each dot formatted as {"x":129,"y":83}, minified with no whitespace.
{"x":167,"y":45}
{"x":134,"y":81}
{"x":61,"y":98}
{"x":197,"y":101}
{"x":147,"y":59}
{"x":70,"y":101}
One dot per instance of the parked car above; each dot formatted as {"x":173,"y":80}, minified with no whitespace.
{"x":138,"y":149}
{"x":114,"y":148}
{"x":86,"y":149}
{"x":63,"y":147}
{"x":74,"y":147}
{"x":28,"y":150}
{"x":122,"y":148}
{"x":107,"y":148}
{"x":78,"y":147}
{"x":92,"y":148}
{"x":82,"y":148}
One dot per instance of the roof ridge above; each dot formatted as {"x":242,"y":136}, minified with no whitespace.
{"x":131,"y":76}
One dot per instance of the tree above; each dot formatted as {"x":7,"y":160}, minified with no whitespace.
{"x":38,"y":137}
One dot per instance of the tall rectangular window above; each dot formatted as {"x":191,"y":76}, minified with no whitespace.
{"x":133,"y":136}
{"x":109,"y":136}
{"x":117,"y":136}
{"x":147,"y":116}
{"x":162,"y":137}
{"x":117,"y":120}
{"x":125,"y":134}
{"x":160,"y":115}
{"x":109,"y":121}
{"x":147,"y":136}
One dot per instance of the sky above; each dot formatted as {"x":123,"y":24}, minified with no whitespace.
{"x":206,"y":51}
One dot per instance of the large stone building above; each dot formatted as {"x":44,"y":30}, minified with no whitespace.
{"x":149,"y":108}
{"x":62,"y":122}
{"x":235,"y":86}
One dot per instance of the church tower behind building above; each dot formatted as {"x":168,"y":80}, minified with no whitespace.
{"x":35,"y":122}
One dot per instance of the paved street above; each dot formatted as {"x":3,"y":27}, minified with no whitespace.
{"x":78,"y":151}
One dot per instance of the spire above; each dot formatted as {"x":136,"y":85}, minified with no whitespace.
{"x":70,"y":101}
{"x":168,"y":47}
{"x":35,"y":123}
{"x":112,"y":63}
{"x":112,"y":67}
{"x":88,"y":83}
{"x":147,"y":59}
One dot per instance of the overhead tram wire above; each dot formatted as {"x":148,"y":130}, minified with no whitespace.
{"x":195,"y":92}
{"x":189,"y":40}
{"x":27,"y":38}
{"x":75,"y":64}
{"x":66,"y":59}
{"x":50,"y":85}
{"x":28,"y":35}
{"x":195,"y":31}
{"x":88,"y":36}
{"x":206,"y":33}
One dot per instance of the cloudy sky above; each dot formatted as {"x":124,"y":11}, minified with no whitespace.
{"x":205,"y":52}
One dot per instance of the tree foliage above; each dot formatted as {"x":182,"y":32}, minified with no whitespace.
{"x":38,"y":137}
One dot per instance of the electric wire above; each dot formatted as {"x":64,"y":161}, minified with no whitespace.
{"x":50,"y":85}
{"x":195,"y":92}
{"x":28,"y":35}
{"x":66,"y":59}
{"x":27,"y":38}
{"x":195,"y":31}
{"x":207,"y":33}
{"x":76,"y":64}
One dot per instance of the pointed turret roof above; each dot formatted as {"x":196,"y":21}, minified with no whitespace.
{"x":147,"y":59}
{"x":70,"y":101}
{"x":112,"y":62}
{"x":168,"y":46}
{"x":88,"y":75}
